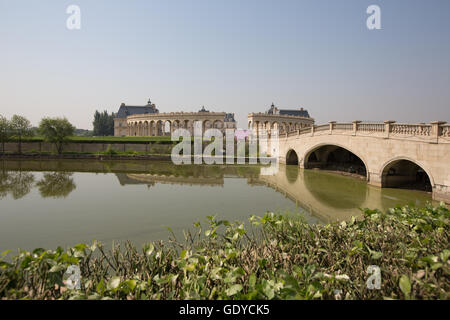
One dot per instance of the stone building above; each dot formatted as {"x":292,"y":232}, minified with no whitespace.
{"x":285,"y":120}
{"x":148,"y":121}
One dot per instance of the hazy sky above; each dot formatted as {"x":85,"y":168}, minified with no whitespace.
{"x":230,"y":55}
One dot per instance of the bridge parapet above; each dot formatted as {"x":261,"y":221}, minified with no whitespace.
{"x":437,"y":132}
{"x":445,"y":130}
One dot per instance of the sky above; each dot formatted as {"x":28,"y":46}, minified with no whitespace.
{"x":235,"y":56}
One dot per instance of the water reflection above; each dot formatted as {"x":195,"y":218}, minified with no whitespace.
{"x":327,"y":196}
{"x":335,"y":191}
{"x":292,"y":173}
{"x":333,"y":197}
{"x":56,"y":184}
{"x":16,"y":183}
{"x":139,"y":199}
{"x":20,"y":183}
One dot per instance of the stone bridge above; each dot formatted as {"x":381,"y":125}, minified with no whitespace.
{"x":388,"y":154}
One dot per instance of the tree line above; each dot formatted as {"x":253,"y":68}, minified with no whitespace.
{"x":54,"y":130}
{"x":103,"y":123}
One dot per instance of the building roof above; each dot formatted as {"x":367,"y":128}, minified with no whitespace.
{"x":288,"y":112}
{"x":229,"y":117}
{"x":298,"y":113}
{"x":125,"y":111}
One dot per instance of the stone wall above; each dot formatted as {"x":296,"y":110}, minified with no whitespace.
{"x":78,"y":147}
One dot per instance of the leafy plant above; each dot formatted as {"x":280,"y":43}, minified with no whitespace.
{"x":277,"y":257}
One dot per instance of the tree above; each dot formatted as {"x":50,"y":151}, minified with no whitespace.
{"x":56,"y":131}
{"x":5,"y":131}
{"x":103,"y":123}
{"x":21,"y":127}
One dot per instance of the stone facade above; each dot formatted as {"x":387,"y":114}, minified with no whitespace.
{"x":148,"y":121}
{"x":285,"y":120}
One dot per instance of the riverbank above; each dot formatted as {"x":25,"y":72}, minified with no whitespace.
{"x":280,"y":257}
{"x":94,"y":156}
{"x":112,"y":156}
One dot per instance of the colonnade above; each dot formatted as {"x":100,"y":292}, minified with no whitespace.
{"x":167,"y":126}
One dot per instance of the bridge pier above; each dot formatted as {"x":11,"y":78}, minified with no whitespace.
{"x":441,"y":193}
{"x":374,"y":179}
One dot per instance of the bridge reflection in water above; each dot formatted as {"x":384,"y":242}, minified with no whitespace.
{"x":334,"y":197}
{"x":327,"y":196}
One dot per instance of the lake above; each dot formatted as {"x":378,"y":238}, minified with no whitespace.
{"x":50,"y":203}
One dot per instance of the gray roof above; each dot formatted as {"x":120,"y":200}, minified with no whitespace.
{"x":288,"y":112}
{"x":298,"y":113}
{"x":125,"y":111}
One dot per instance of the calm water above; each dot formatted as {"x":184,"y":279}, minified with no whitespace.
{"x":50,"y":203}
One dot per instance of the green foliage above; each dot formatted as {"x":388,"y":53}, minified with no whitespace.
{"x":83,"y":133}
{"x":21,"y":127}
{"x":56,"y":131}
{"x":109,"y":151}
{"x":103,"y":123}
{"x":278,"y":257}
{"x":5,"y":131}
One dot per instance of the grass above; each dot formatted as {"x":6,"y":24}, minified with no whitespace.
{"x":278,"y":258}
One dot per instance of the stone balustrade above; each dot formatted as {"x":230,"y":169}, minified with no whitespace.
{"x":445,"y":130}
{"x":411,"y":129}
{"x":370,"y":127}
{"x":343,"y":126}
{"x":387,"y":129}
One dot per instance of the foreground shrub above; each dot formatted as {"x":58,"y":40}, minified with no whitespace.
{"x":279,"y":257}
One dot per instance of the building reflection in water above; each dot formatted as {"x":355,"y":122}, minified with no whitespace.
{"x":327,"y":196}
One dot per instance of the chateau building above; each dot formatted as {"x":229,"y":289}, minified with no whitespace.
{"x":148,"y":121}
{"x":285,"y":120}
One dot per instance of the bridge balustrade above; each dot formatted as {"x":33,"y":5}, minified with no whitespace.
{"x":343,"y":126}
{"x":411,"y":129}
{"x":445,"y":130}
{"x":370,"y":127}
{"x":434,"y":130}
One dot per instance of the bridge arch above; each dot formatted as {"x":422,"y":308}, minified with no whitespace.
{"x":291,"y":157}
{"x":401,"y":172}
{"x":333,"y":156}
